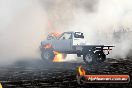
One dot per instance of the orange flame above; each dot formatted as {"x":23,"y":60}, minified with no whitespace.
{"x":58,"y":57}
{"x":56,"y":34}
{"x":81,"y":71}
{"x":48,"y":46}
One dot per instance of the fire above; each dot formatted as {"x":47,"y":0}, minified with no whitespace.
{"x":1,"y":86}
{"x":81,"y":71}
{"x":58,"y":57}
{"x":56,"y":34}
{"x":48,"y":46}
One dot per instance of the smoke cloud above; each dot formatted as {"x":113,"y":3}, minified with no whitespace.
{"x":21,"y":30}
{"x":25,"y":23}
{"x":107,"y":18}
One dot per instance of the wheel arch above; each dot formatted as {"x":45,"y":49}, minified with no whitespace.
{"x":47,"y":46}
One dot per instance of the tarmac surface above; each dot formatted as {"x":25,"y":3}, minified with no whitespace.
{"x":40,"y":74}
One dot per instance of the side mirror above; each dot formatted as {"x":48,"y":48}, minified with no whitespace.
{"x":63,"y":37}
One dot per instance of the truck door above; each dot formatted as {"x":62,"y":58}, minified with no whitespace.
{"x":63,"y":44}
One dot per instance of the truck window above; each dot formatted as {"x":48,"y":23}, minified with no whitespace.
{"x":66,"y":36}
{"x":78,"y":35}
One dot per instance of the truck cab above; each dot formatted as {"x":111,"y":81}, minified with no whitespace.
{"x":66,"y":41}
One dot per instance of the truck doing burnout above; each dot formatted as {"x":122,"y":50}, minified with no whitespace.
{"x":73,"y":43}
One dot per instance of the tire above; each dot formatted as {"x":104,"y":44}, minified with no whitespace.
{"x":47,"y":55}
{"x":89,"y":58}
{"x":101,"y":57}
{"x":94,"y":58}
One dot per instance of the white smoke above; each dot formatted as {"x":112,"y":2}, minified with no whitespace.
{"x":24,"y":23}
{"x":21,"y":30}
{"x":100,"y":24}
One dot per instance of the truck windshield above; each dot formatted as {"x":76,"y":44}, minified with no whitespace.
{"x":66,"y":36}
{"x":78,"y":35}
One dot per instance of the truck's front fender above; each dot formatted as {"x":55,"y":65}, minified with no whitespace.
{"x":46,"y":45}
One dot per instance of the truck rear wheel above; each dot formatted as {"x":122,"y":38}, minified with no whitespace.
{"x":89,"y":58}
{"x":94,"y":58}
{"x":48,"y":55}
{"x":101,"y":57}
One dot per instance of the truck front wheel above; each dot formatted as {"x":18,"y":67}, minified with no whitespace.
{"x":48,"y":55}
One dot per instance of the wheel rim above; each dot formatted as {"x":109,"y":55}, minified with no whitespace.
{"x":46,"y":55}
{"x":88,"y":58}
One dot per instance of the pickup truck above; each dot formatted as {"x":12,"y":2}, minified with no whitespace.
{"x":73,"y":43}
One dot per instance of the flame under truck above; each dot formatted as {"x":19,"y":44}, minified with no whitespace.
{"x":73,"y":43}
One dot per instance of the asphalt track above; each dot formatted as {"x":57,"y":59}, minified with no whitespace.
{"x":40,"y":74}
